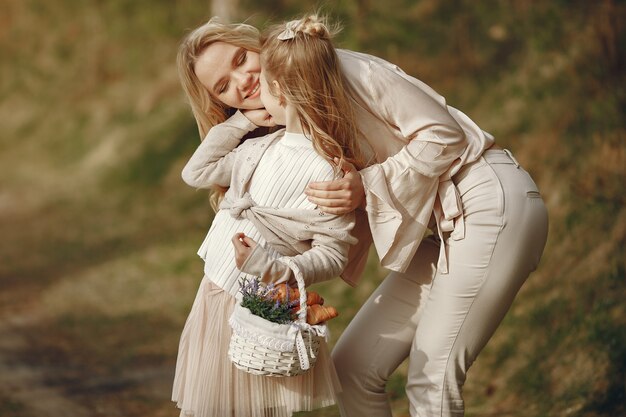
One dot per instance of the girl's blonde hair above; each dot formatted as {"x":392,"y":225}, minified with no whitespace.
{"x":207,"y":110}
{"x":300,"y":56}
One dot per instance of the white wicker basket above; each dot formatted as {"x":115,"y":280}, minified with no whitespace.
{"x":261,"y":347}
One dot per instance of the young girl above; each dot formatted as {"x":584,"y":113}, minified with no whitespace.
{"x":267,"y":212}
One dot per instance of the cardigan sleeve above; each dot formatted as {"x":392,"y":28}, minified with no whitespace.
{"x":259,"y":263}
{"x":401,"y":191}
{"x":326,"y":258}
{"x":213,"y":161}
{"x":328,"y":255}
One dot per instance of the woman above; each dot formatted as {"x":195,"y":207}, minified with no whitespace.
{"x":431,"y":167}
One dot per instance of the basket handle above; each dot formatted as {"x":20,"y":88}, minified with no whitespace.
{"x":300,"y":346}
{"x":301,"y":287}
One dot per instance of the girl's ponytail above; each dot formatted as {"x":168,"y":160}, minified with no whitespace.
{"x":300,"y":55}
{"x":316,"y":27}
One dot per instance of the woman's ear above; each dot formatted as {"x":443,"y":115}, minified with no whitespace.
{"x":279,"y":92}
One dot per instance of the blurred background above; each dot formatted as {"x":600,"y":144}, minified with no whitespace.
{"x":98,"y":265}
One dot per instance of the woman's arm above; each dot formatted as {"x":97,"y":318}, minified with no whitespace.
{"x":400,"y":191}
{"x":434,"y":138}
{"x":339,"y":196}
{"x":213,"y":161}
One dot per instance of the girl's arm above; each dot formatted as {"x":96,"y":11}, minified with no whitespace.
{"x":213,"y":161}
{"x":252,"y":259}
{"x":326,"y":259}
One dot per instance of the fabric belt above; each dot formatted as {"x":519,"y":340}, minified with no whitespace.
{"x":448,"y":212}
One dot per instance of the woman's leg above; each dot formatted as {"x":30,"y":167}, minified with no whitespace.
{"x":379,"y":337}
{"x":505,"y":232}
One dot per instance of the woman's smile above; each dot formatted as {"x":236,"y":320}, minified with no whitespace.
{"x":231,"y":75}
{"x":254,"y":92}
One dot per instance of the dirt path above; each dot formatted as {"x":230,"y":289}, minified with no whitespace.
{"x":48,"y":392}
{"x":25,"y":384}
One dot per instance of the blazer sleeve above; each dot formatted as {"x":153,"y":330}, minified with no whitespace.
{"x":213,"y":161}
{"x":401,"y":191}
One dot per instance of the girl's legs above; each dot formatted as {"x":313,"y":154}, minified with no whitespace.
{"x":505,"y":232}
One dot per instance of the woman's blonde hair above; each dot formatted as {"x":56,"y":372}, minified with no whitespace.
{"x":300,"y":56}
{"x":207,"y":110}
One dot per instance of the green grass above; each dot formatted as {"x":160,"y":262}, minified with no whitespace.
{"x":9,"y":407}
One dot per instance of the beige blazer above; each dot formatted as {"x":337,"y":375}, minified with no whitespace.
{"x":416,"y":143}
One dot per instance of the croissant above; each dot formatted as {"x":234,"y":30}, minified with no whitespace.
{"x":294,"y":295}
{"x":318,"y":313}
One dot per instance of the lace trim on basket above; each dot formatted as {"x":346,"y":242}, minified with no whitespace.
{"x":272,"y":342}
{"x":267,"y":341}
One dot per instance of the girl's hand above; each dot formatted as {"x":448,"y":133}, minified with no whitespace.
{"x":339,"y":196}
{"x":259,"y":117}
{"x":243,"y":248}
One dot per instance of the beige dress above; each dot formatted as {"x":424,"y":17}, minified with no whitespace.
{"x":206,"y":383}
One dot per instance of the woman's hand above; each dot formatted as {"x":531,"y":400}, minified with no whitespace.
{"x":339,"y":196}
{"x":259,"y":117}
{"x":243,"y":248}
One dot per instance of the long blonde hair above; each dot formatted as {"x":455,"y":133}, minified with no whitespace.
{"x":207,"y":110}
{"x":300,"y":56}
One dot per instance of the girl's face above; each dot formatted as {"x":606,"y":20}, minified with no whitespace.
{"x":231,"y":75}
{"x":272,"y":103}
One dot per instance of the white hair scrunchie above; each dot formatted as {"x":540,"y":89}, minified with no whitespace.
{"x":290,"y":30}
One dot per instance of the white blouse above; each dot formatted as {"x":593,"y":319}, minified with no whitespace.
{"x":278,"y":181}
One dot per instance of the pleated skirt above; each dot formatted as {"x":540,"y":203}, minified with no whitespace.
{"x":207,"y":384}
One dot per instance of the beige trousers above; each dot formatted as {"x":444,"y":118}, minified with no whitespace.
{"x":443,"y":321}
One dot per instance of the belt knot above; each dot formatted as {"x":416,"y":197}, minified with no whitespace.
{"x":238,"y":206}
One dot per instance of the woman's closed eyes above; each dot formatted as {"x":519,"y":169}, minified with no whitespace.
{"x":240,"y":58}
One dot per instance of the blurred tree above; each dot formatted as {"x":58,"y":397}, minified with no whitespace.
{"x":225,"y":9}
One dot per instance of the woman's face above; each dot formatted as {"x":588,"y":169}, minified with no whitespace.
{"x":231,"y":75}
